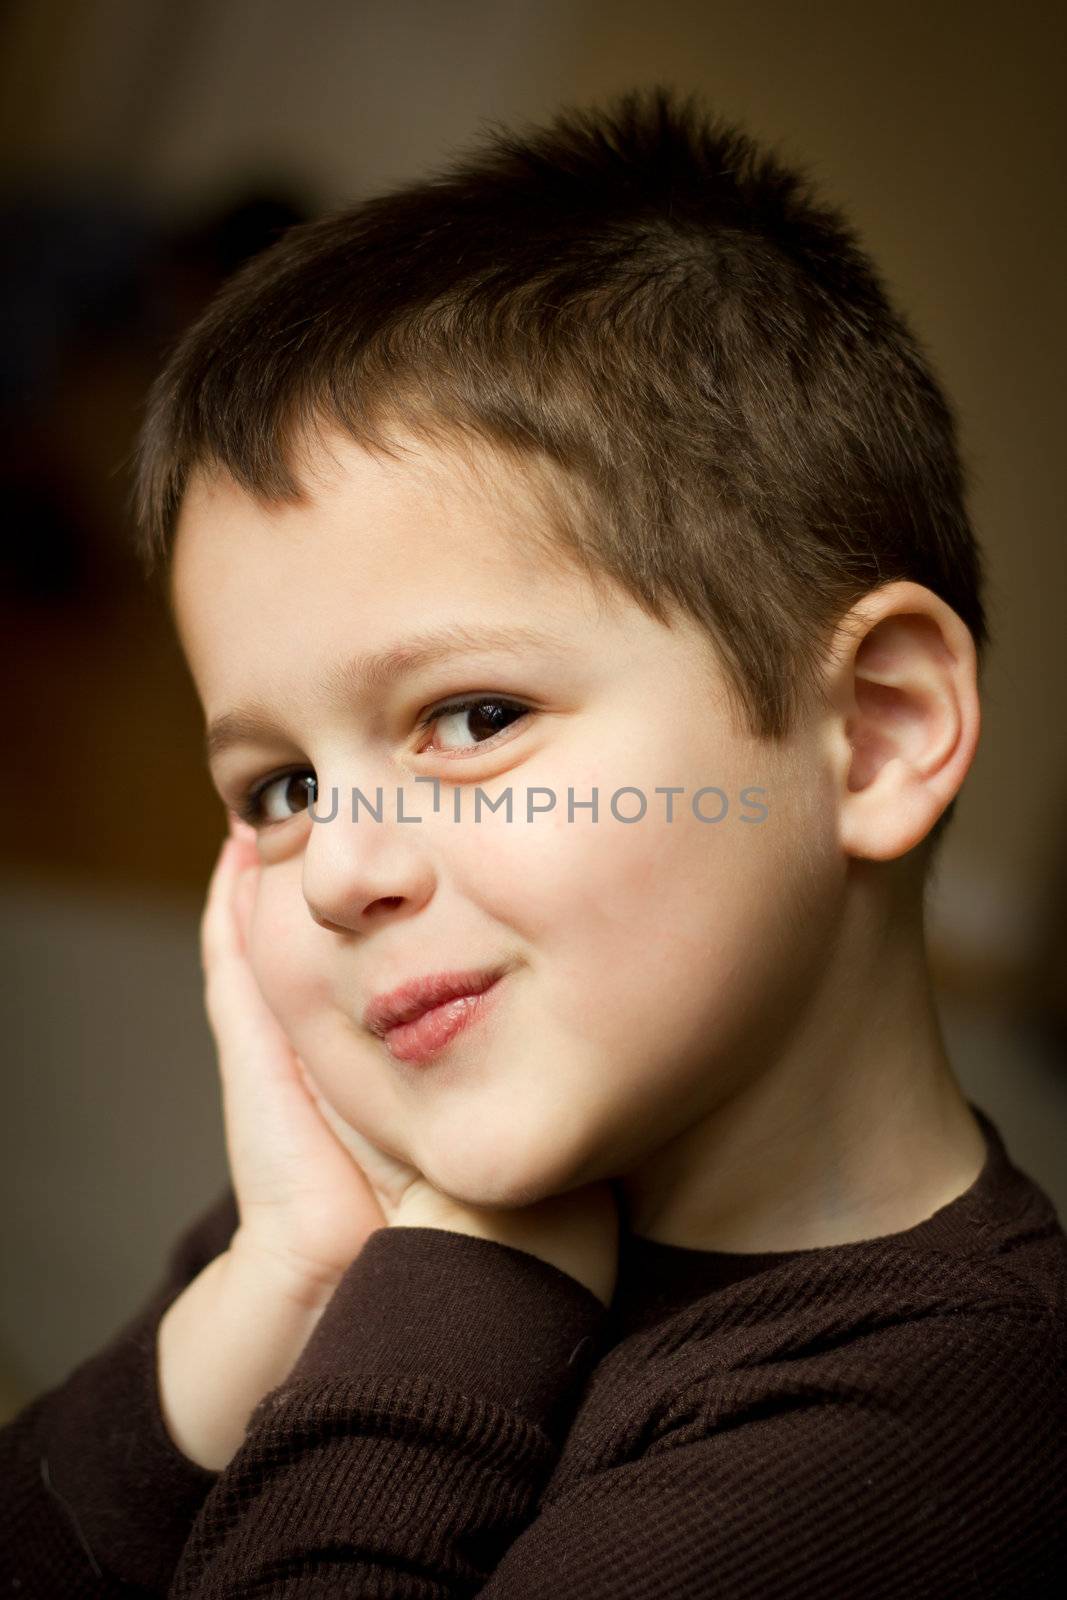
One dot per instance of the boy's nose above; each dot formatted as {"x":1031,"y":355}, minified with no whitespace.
{"x":358,"y":872}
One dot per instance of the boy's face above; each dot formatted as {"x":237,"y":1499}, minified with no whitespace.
{"x":654,"y":966}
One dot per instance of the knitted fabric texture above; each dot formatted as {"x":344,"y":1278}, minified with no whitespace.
{"x":884,"y":1418}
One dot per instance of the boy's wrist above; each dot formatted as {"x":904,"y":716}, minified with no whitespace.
{"x":577,"y":1232}
{"x":231,"y":1336}
{"x":268,"y":1269}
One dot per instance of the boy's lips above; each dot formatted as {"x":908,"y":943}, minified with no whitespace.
{"x":419,"y":995}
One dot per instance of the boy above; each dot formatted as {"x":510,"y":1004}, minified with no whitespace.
{"x":570,"y":555}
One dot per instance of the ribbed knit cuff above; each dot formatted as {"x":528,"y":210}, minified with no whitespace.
{"x":470,"y":1315}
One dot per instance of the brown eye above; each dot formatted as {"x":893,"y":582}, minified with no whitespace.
{"x":282,"y":797}
{"x":468,"y":723}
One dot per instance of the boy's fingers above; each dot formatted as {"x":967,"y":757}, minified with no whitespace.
{"x":213,"y":921}
{"x":221,"y":931}
{"x":244,"y":895}
{"x":248,"y":1037}
{"x":235,"y":1007}
{"x":246,"y":1033}
{"x":210,"y":931}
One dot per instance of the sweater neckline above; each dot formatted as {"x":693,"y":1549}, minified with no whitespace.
{"x":667,"y":1274}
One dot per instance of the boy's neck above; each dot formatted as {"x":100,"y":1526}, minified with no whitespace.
{"x":855,"y":1128}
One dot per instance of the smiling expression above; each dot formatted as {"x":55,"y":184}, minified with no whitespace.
{"x":651,"y":964}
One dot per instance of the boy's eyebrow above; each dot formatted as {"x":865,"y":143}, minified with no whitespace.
{"x":378,"y":669}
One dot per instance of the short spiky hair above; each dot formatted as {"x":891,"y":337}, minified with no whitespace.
{"x":659,"y":315}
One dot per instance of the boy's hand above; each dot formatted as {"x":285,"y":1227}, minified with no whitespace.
{"x":305,"y":1206}
{"x":310,"y":1190}
{"x":577,"y":1232}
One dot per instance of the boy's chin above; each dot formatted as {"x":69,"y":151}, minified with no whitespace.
{"x":491,"y":1186}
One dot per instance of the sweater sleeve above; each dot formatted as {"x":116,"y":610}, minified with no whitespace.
{"x":938,"y":1471}
{"x":95,"y":1498}
{"x":407,"y":1449}
{"x":407,"y":1455}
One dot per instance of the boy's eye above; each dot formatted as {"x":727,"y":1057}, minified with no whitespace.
{"x":478,"y":716}
{"x":278,"y":798}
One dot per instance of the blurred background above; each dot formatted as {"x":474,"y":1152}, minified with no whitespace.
{"x":148,"y":148}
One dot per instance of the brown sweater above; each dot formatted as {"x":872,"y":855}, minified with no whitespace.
{"x":884,"y":1418}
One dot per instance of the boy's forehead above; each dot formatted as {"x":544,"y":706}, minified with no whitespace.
{"x":422,"y":518}
{"x":460,"y":487}
{"x":330,"y":468}
{"x":378,"y":547}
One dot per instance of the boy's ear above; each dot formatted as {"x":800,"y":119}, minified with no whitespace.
{"x":904,"y":717}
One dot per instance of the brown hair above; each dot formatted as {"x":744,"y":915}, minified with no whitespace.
{"x":657,"y":315}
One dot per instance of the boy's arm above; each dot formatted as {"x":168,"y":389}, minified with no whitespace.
{"x":407,"y":1453}
{"x":95,"y":1498}
{"x":407,"y":1449}
{"x":932,"y":1462}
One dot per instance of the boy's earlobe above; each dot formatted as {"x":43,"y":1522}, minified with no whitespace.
{"x":908,"y":718}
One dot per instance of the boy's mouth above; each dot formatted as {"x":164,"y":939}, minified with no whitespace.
{"x":422,"y":1040}
{"x":413,"y":999}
